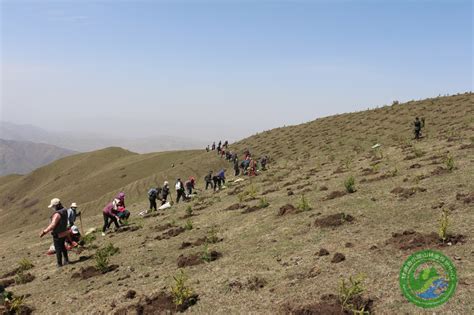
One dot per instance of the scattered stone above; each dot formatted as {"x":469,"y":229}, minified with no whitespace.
{"x":130,"y":294}
{"x":323,"y":252}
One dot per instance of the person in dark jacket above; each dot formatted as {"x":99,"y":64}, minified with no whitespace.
{"x":208,"y":180}
{"x":417,"y":127}
{"x":236,"y":167}
{"x":59,"y":231}
{"x":152,"y":196}
{"x":165,"y":192}
{"x":190,"y":185}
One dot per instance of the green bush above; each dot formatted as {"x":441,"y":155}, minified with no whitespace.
{"x":212,"y":237}
{"x":189,"y":210}
{"x":102,"y":256}
{"x":349,"y":291}
{"x":443,"y":225}
{"x":263,"y":203}
{"x":24,"y":265}
{"x":89,"y":238}
{"x":101,"y":261}
{"x":303,"y":204}
{"x":350,"y":184}
{"x":449,"y":163}
{"x":189,"y":225}
{"x":206,"y":255}
{"x":180,"y":292}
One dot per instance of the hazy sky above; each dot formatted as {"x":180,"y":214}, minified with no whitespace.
{"x":202,"y":68}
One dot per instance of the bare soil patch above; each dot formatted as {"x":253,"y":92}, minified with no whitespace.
{"x":329,"y":304}
{"x":160,"y":303}
{"x":170,"y":233}
{"x":251,"y":209}
{"x":287,"y":209}
{"x":411,"y":239}
{"x":196,"y":259}
{"x":91,"y":271}
{"x":337,"y":258}
{"x":466,"y":198}
{"x":235,"y":206}
{"x":407,"y":192}
{"x":333,"y":220}
{"x":335,"y":194}
{"x":198,"y":242}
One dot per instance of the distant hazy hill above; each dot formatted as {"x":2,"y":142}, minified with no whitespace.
{"x":22,"y":157}
{"x":86,"y":142}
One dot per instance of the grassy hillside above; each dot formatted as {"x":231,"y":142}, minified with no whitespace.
{"x":273,"y":257}
{"x":93,"y":179}
{"x":21,"y":157}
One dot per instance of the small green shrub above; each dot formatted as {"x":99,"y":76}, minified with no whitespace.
{"x":110,"y":249}
{"x":449,"y":163}
{"x":350,"y":290}
{"x":263,"y":203}
{"x":189,"y":210}
{"x":206,"y":255}
{"x":89,"y":238}
{"x":350,"y":184}
{"x":252,"y":191}
{"x":188,"y":225}
{"x":16,"y":304}
{"x":443,"y":225}
{"x":21,"y":277}
{"x":24,"y":265}
{"x":212,"y":237}
{"x":101,"y":260}
{"x":180,"y":292}
{"x":303,"y":204}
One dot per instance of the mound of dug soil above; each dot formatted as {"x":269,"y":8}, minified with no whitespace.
{"x":287,"y":209}
{"x":235,"y":206}
{"x":171,"y":233}
{"x":333,"y":220}
{"x":196,"y":259}
{"x":330,"y":304}
{"x":253,"y":284}
{"x":251,"y":209}
{"x":160,"y":228}
{"x":91,"y":271}
{"x":407,"y":192}
{"x":335,"y":194}
{"x":160,"y":303}
{"x":414,"y":240}
{"x":199,"y":242}
{"x":466,"y":198}
{"x":7,"y":282}
{"x":128,"y":228}
{"x":23,"y":310}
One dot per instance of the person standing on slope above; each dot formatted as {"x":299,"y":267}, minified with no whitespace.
{"x":208,"y":180}
{"x":152,"y":196}
{"x":179,"y":190}
{"x":59,"y":231}
{"x":190,"y":185}
{"x":165,"y":192}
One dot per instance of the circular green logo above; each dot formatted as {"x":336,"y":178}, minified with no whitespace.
{"x":428,"y":279}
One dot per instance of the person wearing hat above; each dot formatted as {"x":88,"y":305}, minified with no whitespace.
{"x":59,"y":231}
{"x":72,"y":214}
{"x":165,"y":192}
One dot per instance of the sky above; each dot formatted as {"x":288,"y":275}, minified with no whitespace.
{"x":212,"y":69}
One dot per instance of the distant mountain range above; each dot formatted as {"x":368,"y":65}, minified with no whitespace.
{"x":22,"y":157}
{"x":86,"y":142}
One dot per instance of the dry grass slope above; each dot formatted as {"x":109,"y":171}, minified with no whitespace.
{"x":265,"y":262}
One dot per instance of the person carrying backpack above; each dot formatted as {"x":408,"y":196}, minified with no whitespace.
{"x":152,"y":196}
{"x":179,"y":190}
{"x":59,"y":231}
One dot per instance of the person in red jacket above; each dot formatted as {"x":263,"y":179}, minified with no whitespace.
{"x":59,"y":231}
